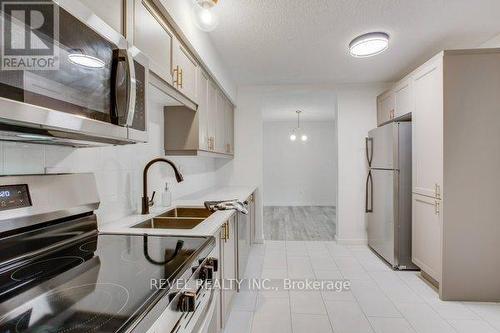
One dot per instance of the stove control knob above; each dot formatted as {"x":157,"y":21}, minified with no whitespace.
{"x":206,"y":273}
{"x":187,"y":301}
{"x":214,"y":263}
{"x":211,"y":262}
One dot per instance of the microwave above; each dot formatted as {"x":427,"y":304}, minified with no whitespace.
{"x":92,"y":94}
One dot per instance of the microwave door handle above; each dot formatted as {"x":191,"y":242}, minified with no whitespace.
{"x":131,"y":87}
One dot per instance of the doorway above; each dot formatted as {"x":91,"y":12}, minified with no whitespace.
{"x":300,"y":180}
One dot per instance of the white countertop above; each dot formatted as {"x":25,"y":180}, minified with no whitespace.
{"x":207,"y":228}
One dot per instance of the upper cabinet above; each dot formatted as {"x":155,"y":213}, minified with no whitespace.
{"x":202,"y":97}
{"x":110,"y":11}
{"x":403,"y":98}
{"x":212,"y":115}
{"x":207,"y":131}
{"x":200,"y":119}
{"x":154,"y":38}
{"x":229,"y":121}
{"x":184,"y":70}
{"x":385,"y":107}
{"x":220,"y":123}
{"x":427,"y":124}
{"x":396,"y":102}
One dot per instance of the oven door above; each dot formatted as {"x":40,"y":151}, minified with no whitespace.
{"x":92,"y":90}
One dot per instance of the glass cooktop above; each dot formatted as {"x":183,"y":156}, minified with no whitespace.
{"x":99,"y":284}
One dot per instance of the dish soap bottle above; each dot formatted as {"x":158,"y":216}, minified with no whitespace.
{"x":166,"y":199}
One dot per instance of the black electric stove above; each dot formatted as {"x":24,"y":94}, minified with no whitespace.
{"x":60,"y":275}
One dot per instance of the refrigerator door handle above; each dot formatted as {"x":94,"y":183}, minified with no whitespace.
{"x":369,"y":193}
{"x":369,"y":150}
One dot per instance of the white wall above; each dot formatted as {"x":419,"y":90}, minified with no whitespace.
{"x":297,"y":173}
{"x":356,"y":112}
{"x":118,"y":170}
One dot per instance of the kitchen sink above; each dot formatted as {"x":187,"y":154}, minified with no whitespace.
{"x":194,"y":212}
{"x":170,"y":223}
{"x":177,"y":218}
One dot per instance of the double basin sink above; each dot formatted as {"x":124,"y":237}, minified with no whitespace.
{"x":177,"y":218}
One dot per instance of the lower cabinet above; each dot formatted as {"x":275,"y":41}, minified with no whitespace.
{"x":228,"y":253}
{"x":427,"y":235}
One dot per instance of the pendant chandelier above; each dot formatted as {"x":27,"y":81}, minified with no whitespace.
{"x":297,"y":132}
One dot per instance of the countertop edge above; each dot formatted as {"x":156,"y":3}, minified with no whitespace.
{"x":207,"y":228}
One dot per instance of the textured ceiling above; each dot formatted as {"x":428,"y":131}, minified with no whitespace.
{"x":281,"y":102}
{"x":305,"y":41}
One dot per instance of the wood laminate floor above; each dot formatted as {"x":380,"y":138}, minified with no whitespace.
{"x":301,"y":223}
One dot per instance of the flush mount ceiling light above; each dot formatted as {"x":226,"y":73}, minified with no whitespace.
{"x":297,"y":132}
{"x":205,"y":17}
{"x":369,"y":44}
{"x":85,"y":60}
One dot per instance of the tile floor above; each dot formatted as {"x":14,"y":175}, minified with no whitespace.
{"x":380,"y":300}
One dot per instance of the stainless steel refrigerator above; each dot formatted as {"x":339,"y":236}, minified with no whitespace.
{"x":388,"y":193}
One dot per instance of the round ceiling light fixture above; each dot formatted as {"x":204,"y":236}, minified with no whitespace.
{"x":368,"y":45}
{"x":205,"y":17}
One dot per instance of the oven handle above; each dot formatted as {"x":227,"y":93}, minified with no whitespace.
{"x":131,"y":87}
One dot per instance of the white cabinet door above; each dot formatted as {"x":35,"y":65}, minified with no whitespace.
{"x":153,"y":38}
{"x":403,"y":98}
{"x":220,"y":123}
{"x":427,"y":235}
{"x":211,"y":114}
{"x":385,"y":107}
{"x":229,"y":122}
{"x":427,"y":122}
{"x":110,"y":11}
{"x":184,"y":70}
{"x":229,"y":244}
{"x":202,"y":96}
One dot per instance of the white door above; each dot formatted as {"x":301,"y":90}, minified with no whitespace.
{"x":426,"y":235}
{"x":403,"y":98}
{"x":153,"y":38}
{"x":427,"y":122}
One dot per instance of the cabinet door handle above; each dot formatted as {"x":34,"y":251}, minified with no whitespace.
{"x":176,"y":76}
{"x":437,"y":191}
{"x":436,"y":207}
{"x":181,"y":74}
{"x":224,"y":233}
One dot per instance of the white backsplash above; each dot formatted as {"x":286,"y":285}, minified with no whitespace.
{"x":118,"y":169}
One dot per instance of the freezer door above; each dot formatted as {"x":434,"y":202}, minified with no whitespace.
{"x":381,"y":221}
{"x":384,"y":143}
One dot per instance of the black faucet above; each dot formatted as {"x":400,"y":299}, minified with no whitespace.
{"x":145,"y":199}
